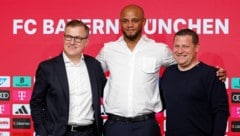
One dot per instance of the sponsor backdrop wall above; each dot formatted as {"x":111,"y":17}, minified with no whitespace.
{"x":32,"y":31}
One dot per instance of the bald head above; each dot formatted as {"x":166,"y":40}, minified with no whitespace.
{"x":132,"y":21}
{"x":134,"y":9}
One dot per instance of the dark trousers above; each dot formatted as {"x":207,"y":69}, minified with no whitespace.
{"x":86,"y":132}
{"x":147,"y":127}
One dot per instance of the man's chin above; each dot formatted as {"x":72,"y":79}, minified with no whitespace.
{"x":131,"y":37}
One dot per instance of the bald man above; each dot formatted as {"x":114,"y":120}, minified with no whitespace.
{"x":131,"y":95}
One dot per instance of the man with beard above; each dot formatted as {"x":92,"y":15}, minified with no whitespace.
{"x":131,"y":95}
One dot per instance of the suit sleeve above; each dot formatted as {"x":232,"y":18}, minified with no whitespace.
{"x":37,"y":101}
{"x":102,"y":79}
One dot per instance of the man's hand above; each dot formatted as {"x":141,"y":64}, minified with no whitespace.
{"x":221,"y":73}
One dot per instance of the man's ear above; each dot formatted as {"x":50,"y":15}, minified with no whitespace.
{"x":197,"y":47}
{"x":86,"y":42}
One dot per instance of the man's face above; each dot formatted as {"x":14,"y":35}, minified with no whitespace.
{"x":72,"y":46}
{"x":132,"y":22}
{"x":184,"y":51}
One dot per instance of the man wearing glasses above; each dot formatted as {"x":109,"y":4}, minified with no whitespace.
{"x":66,"y":94}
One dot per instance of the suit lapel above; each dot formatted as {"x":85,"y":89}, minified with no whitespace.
{"x":62,"y":75}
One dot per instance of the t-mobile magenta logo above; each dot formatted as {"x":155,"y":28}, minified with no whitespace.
{"x":21,"y":95}
{"x":2,"y":109}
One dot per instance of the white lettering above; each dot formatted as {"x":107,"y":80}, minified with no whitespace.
{"x":20,"y":24}
{"x":178,"y":22}
{"x":196,"y":26}
{"x":60,"y":26}
{"x":208,"y":26}
{"x":48,"y":26}
{"x":163,"y":26}
{"x":17,"y":24}
{"x":223,"y":26}
{"x":98,"y":26}
{"x":111,"y":26}
{"x":149,"y":23}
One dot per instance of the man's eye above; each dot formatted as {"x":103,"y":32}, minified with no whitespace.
{"x":135,"y":20}
{"x":124,"y":21}
{"x":68,"y":36}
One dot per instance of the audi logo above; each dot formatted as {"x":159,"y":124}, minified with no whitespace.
{"x":236,"y":97}
{"x":4,"y":95}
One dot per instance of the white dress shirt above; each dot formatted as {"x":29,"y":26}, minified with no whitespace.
{"x":80,"y":95}
{"x":132,"y":87}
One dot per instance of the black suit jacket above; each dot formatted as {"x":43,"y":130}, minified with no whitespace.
{"x":50,"y":98}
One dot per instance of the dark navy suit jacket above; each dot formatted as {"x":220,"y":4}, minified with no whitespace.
{"x":50,"y":98}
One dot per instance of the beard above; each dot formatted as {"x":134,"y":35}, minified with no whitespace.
{"x":134,"y":36}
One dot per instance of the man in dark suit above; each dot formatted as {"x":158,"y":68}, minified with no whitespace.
{"x":66,"y":94}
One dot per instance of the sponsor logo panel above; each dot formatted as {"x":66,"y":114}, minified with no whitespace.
{"x":4,"y":123}
{"x":21,"y":123}
{"x":22,"y":95}
{"x":235,"y":126}
{"x":235,"y":97}
{"x":235,"y":84}
{"x":4,"y":109}
{"x":21,"y":109}
{"x":4,"y":133}
{"x":22,"y":81}
{"x":4,"y":95}
{"x":235,"y":111}
{"x":4,"y":81}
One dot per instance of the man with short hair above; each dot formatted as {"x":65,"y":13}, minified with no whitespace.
{"x":196,"y":101}
{"x":131,"y":95}
{"x":66,"y":94}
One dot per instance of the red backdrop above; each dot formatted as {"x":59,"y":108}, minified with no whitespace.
{"x":32,"y":31}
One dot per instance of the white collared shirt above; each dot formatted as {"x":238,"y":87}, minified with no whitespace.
{"x":80,"y":95}
{"x":132,"y":87}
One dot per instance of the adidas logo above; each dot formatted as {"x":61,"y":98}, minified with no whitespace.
{"x":21,"y":109}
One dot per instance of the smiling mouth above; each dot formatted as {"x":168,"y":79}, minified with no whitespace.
{"x":71,"y":47}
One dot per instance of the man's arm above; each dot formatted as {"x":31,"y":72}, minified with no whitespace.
{"x":220,"y":107}
{"x":37,"y":99}
{"x":100,"y":57}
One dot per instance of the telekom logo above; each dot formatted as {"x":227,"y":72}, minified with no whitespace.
{"x":21,"y":95}
{"x":235,"y":111}
{"x":2,"y":109}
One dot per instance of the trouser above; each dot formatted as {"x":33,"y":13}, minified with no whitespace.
{"x":116,"y":127}
{"x":89,"y":131}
